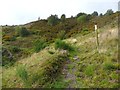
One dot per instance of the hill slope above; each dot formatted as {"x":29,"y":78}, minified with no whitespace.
{"x":87,"y":68}
{"x":41,"y":30}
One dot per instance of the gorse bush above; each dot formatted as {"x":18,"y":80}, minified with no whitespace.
{"x":82,"y":19}
{"x":59,"y":44}
{"x":9,"y":38}
{"x":39,"y":45}
{"x":23,"y":32}
{"x":53,"y":20}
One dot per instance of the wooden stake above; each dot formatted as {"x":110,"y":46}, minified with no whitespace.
{"x":97,"y":40}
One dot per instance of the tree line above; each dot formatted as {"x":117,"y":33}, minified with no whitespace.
{"x":81,"y":17}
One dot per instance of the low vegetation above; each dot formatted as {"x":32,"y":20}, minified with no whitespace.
{"x":23,"y":32}
{"x":61,"y":53}
{"x":39,"y":45}
{"x":59,"y":44}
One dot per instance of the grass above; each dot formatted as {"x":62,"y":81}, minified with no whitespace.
{"x":59,"y":44}
{"x":89,"y":70}
{"x":39,"y":45}
{"x":23,"y":74}
{"x":92,"y":70}
{"x":109,"y":65}
{"x":60,"y":82}
{"x":36,"y":71}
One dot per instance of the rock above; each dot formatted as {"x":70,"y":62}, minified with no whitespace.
{"x":7,"y":53}
{"x":76,"y":58}
{"x":63,"y":51}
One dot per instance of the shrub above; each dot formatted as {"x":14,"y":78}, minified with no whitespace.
{"x":7,"y":38}
{"x":59,"y":44}
{"x":95,"y":13}
{"x":82,"y":19}
{"x":15,"y":49}
{"x":85,"y":31}
{"x":53,"y":20}
{"x":13,"y":38}
{"x":39,"y":45}
{"x":109,"y":12}
{"x":109,"y":65}
{"x":6,"y":61}
{"x":63,"y":17}
{"x":23,"y":32}
{"x":80,"y":14}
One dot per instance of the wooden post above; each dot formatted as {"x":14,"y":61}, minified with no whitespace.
{"x":97,"y":40}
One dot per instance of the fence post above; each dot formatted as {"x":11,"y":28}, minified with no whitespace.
{"x":97,"y":40}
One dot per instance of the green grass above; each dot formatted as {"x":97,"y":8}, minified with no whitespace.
{"x":22,"y":73}
{"x":39,"y":69}
{"x":59,"y":44}
{"x":92,"y":69}
{"x":39,"y":45}
{"x":89,"y":70}
{"x":109,"y":65}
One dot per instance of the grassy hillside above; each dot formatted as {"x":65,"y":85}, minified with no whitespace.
{"x":42,"y":59}
{"x":41,"y":30}
{"x":86,"y":68}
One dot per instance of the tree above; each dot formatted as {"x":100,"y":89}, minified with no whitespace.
{"x":109,"y":12}
{"x":53,"y":20}
{"x":101,"y":14}
{"x":80,"y":14}
{"x":88,"y":17}
{"x":82,"y":19}
{"x":95,"y":13}
{"x":63,"y":17}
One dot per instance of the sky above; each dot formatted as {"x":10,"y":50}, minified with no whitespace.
{"x":15,"y":12}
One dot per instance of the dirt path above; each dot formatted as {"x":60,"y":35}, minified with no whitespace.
{"x":69,"y":72}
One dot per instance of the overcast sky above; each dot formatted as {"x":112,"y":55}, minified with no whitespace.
{"x":14,"y":12}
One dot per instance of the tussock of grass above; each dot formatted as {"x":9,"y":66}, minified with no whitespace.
{"x":23,"y":74}
{"x":59,"y":44}
{"x":89,"y":70}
